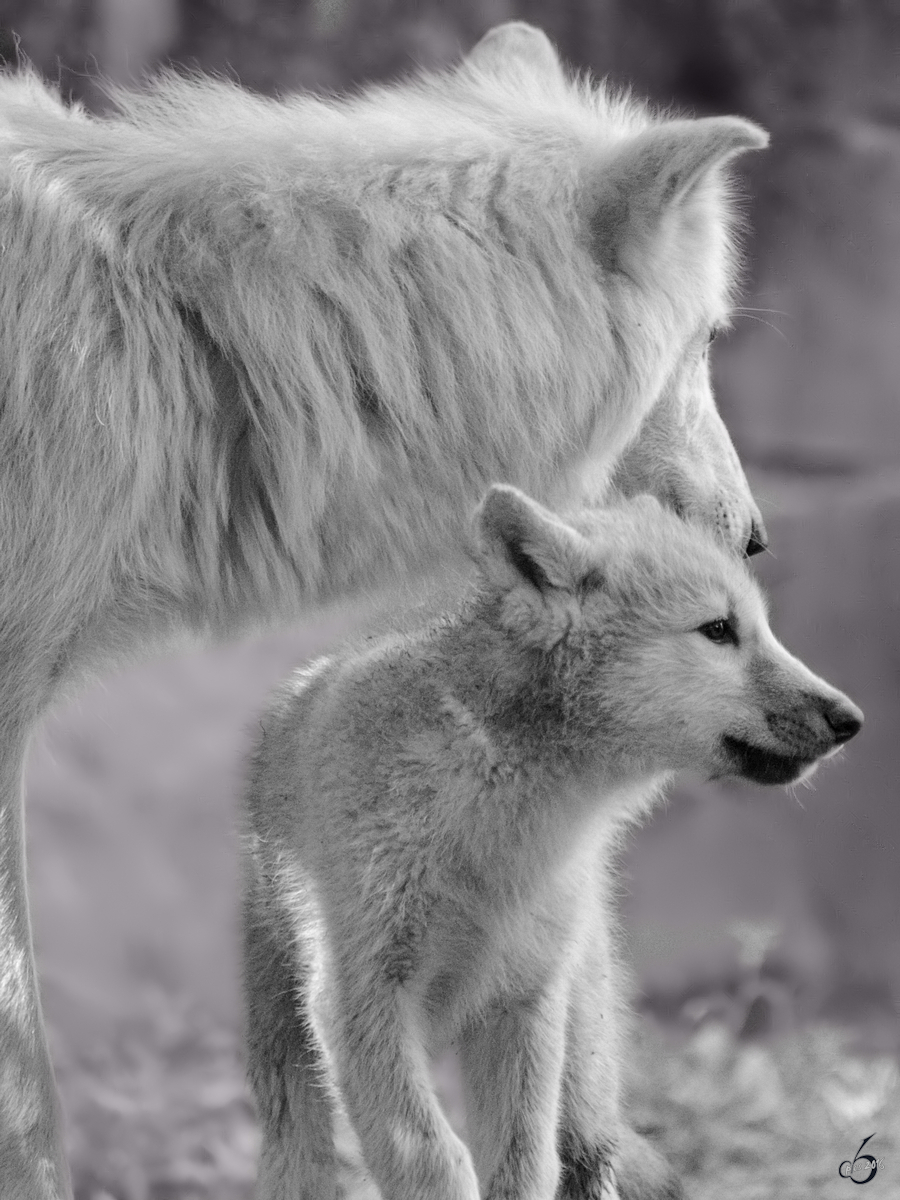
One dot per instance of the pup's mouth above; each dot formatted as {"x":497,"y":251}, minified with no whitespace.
{"x":764,"y":766}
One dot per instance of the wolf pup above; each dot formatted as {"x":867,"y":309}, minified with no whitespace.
{"x":433,"y":822}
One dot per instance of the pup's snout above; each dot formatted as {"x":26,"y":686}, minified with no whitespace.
{"x":844,"y":719}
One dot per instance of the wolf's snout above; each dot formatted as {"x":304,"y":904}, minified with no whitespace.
{"x":844,"y":720}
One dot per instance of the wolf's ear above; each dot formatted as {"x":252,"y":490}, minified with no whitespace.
{"x":655,"y":172}
{"x":521,"y":542}
{"x":514,"y":45}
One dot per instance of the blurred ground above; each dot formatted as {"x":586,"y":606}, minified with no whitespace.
{"x":753,"y":1121}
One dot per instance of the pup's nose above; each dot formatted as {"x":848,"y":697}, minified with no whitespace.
{"x":759,"y":538}
{"x":844,"y":719}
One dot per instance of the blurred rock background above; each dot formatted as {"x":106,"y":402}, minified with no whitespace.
{"x":767,"y":908}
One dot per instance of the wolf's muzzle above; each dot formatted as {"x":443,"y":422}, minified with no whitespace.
{"x":762,"y":765}
{"x":844,"y":720}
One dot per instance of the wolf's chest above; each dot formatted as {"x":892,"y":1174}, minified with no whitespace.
{"x":478,"y":957}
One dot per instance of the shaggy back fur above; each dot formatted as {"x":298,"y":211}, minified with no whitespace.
{"x":253,"y":350}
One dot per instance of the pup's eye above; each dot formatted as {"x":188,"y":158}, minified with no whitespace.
{"x":720,"y":631}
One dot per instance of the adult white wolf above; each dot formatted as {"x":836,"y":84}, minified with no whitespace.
{"x":258,"y":353}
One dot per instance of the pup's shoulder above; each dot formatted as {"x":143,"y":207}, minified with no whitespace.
{"x":366,"y":685}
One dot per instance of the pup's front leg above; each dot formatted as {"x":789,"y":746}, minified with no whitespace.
{"x":602,"y":1158}
{"x":382,"y":1072}
{"x":590,"y":1120}
{"x":512,"y":1065}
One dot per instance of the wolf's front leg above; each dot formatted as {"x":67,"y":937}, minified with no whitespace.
{"x":383,"y":1076}
{"x":512,"y":1064}
{"x":602,"y":1158}
{"x":589,"y":1122}
{"x":32,"y":1164}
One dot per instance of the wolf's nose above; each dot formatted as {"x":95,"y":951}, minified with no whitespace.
{"x":844,"y":720}
{"x":759,"y":539}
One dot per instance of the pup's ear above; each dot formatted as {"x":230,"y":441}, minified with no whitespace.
{"x":521,"y":542}
{"x":657,"y":171}
{"x":512,"y":46}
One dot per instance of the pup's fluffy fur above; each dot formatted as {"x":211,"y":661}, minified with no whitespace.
{"x":257,"y":353}
{"x":431,"y":823}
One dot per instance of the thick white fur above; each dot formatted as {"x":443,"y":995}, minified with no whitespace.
{"x":256,"y":353}
{"x":432,"y":821}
